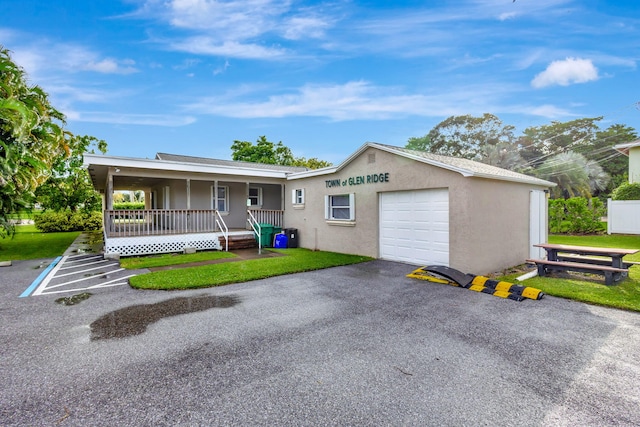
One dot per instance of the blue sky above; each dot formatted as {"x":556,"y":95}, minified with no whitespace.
{"x":190,"y":76}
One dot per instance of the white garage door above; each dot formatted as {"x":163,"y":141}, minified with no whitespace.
{"x":414,"y":226}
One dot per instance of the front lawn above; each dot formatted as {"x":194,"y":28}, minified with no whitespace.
{"x":293,"y":261}
{"x":29,"y":243}
{"x":591,"y":288}
{"x":172,"y":259}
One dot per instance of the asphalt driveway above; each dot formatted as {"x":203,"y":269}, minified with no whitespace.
{"x":355,"y":345}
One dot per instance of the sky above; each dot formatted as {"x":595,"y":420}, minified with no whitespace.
{"x":191,"y":76}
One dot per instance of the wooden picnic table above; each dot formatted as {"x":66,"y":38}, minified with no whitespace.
{"x":572,"y":258}
{"x":616,"y":254}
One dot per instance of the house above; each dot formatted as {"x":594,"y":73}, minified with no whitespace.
{"x":623,"y":216}
{"x":632,"y":150}
{"x":383,"y":201}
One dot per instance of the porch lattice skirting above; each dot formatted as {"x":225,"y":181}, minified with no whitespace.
{"x":147,"y":245}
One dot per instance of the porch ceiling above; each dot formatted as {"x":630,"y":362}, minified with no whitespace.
{"x":120,"y":182}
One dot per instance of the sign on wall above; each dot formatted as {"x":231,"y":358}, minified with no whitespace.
{"x":375,"y":178}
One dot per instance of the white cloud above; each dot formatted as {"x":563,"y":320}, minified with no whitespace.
{"x":566,"y":72}
{"x":300,"y":27}
{"x":131,"y":119}
{"x":208,"y":46}
{"x":48,"y":58}
{"x":548,"y":111}
{"x":110,"y":66}
{"x":221,"y":69}
{"x":507,"y":15}
{"x":355,"y":100}
{"x":248,"y":29}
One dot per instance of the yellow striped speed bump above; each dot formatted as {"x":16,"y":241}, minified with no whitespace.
{"x":421,"y":274}
{"x":450,"y":276}
{"x":506,"y":287}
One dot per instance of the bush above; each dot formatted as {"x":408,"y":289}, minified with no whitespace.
{"x":576,"y":215}
{"x":627,"y":191}
{"x":128,"y":206}
{"x":51,"y":222}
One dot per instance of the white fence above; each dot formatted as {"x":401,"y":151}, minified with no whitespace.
{"x":623,"y":216}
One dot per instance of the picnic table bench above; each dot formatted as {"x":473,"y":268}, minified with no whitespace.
{"x":609,"y":263}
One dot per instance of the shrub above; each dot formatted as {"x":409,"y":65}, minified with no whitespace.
{"x":627,"y":191}
{"x":51,"y":221}
{"x":576,"y":215}
{"x":128,"y":205}
{"x":556,"y":215}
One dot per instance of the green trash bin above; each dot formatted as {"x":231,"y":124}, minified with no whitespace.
{"x":266,"y":235}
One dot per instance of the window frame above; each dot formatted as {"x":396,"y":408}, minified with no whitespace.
{"x":218,"y":199}
{"x":258,"y":198}
{"x":330,"y":207}
{"x":297,"y":196}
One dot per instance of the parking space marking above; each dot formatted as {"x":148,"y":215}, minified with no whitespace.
{"x":99,"y":285}
{"x":78,"y":273}
{"x":102,"y":261}
{"x":78,"y":280}
{"x":86,"y":269}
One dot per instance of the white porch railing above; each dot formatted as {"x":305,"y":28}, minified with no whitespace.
{"x":255,"y":226}
{"x":130,"y":223}
{"x":223,"y":227}
{"x":273,"y":217}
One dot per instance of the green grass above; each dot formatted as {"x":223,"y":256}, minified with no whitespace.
{"x":294,"y":261}
{"x":29,"y":243}
{"x":624,"y":295}
{"x":172,"y":259}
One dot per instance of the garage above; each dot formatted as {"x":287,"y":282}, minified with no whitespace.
{"x":414,"y":226}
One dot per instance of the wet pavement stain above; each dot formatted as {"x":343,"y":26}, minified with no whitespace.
{"x":74,"y":299}
{"x":134,"y":320}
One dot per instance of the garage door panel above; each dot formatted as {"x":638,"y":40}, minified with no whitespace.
{"x":414,"y":226}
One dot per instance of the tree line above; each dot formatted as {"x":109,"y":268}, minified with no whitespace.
{"x":577,"y":155}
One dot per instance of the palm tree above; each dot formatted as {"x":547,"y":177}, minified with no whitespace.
{"x":503,"y":155}
{"x":31,"y":138}
{"x":574,"y":175}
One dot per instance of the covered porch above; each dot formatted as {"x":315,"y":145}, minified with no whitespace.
{"x":187,"y":205}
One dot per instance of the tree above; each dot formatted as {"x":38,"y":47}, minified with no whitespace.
{"x":464,"y":136}
{"x":542,"y":142}
{"x":31,"y":138}
{"x":69,"y":186}
{"x":312,"y":163}
{"x":267,"y":152}
{"x":614,"y":163}
{"x":503,"y":155}
{"x":574,"y":175}
{"x":262,"y":152}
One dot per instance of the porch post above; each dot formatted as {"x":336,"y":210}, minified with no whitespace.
{"x":282,"y":197}
{"x":147,"y":199}
{"x":109,"y":191}
{"x":188,"y":194}
{"x":215,"y":195}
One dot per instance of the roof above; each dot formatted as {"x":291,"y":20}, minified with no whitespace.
{"x":624,"y":148}
{"x":465,"y":167}
{"x":127,"y":168}
{"x":232,"y":163}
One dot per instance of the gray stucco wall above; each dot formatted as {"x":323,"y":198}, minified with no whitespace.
{"x":488,"y":219}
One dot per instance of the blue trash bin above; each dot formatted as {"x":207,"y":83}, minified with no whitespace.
{"x":280,"y":241}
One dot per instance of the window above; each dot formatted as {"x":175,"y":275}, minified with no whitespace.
{"x":223,"y":198}
{"x":297,"y":196}
{"x":255,"y":197}
{"x":340,"y":207}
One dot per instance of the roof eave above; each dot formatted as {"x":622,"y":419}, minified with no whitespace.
{"x":156,"y":164}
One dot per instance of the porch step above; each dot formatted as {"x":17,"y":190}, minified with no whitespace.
{"x":239,"y":242}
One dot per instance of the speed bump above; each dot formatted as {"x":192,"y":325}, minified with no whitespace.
{"x":450,"y":276}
